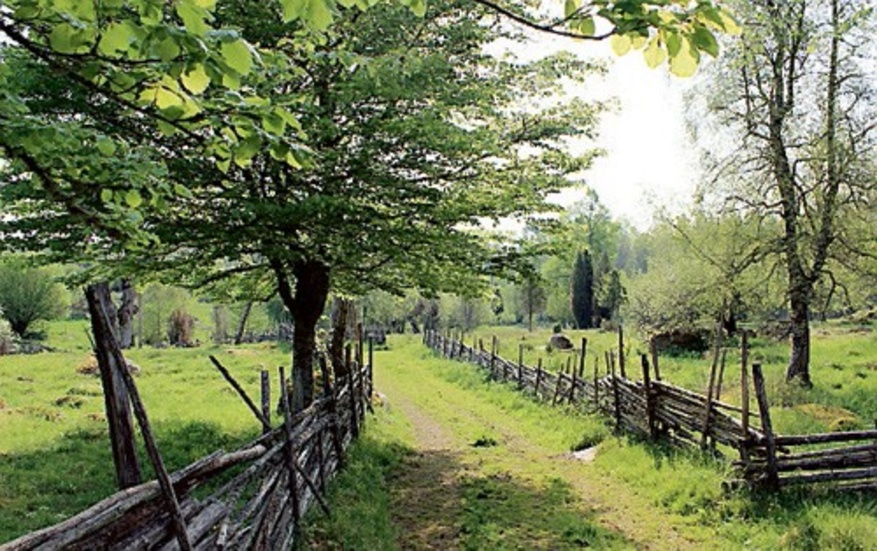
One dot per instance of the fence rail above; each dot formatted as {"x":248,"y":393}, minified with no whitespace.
{"x":280,"y":475}
{"x":659,"y":409}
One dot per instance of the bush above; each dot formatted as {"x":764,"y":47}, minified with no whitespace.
{"x":28,"y":295}
{"x":181,"y":328}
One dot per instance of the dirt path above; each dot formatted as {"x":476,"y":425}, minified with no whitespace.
{"x":428,"y":493}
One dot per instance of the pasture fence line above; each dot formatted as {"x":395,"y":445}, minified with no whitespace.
{"x":263,"y":488}
{"x":658,"y":409}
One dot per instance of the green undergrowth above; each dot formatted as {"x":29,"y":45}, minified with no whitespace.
{"x":359,"y":495}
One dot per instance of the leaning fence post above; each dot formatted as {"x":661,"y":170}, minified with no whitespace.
{"x":520,"y":365}
{"x":650,"y":404}
{"x":351,"y":390}
{"x":266,"y":400}
{"x":744,"y":398}
{"x":653,"y":349}
{"x":709,"y":394}
{"x":493,"y":345}
{"x":597,"y":382}
{"x":290,"y":452}
{"x":332,"y":408}
{"x":582,"y":358}
{"x":538,"y":377}
{"x":617,"y":399}
{"x":621,"y":365}
{"x":772,"y":481}
{"x":371,"y":369}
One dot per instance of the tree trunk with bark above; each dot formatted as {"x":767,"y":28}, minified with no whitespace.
{"x":242,"y":323}
{"x":116,"y":402}
{"x":305,"y":300}
{"x":340,"y":312}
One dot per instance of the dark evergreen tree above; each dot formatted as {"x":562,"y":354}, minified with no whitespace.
{"x":582,"y":290}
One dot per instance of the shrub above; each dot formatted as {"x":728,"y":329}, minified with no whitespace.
{"x":181,"y":328}
{"x":28,"y":295}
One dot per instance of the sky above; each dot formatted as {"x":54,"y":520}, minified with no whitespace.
{"x":650,"y":161}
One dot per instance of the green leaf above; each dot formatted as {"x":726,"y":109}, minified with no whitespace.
{"x":167,"y":99}
{"x":246,"y":150}
{"x":293,"y":9}
{"x":106,"y":147}
{"x":116,"y":38}
{"x":586,"y":26}
{"x":319,"y":14}
{"x":654,"y":54}
{"x":674,"y":44}
{"x":196,"y":79}
{"x":194,"y":17}
{"x":106,"y":195}
{"x":570,"y":7}
{"x":418,"y":8}
{"x":620,"y":44}
{"x":182,"y":191}
{"x":133,"y":198}
{"x":704,"y":40}
{"x":66,"y":39}
{"x":168,"y":49}
{"x":684,"y":63}
{"x":238,"y":56}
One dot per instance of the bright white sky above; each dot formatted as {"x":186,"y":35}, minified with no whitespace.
{"x":650,"y":160}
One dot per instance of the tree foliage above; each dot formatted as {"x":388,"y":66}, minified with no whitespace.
{"x":28,"y":295}
{"x":582,"y":290}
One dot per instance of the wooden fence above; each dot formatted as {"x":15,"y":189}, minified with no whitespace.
{"x":262,"y":489}
{"x":658,"y":409}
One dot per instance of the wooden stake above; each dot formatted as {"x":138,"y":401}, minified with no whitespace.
{"x":290,"y":452}
{"x":650,"y":405}
{"x":521,"y":365}
{"x":709,"y":395}
{"x":744,"y":397}
{"x":266,"y":400}
{"x":621,"y":365}
{"x":538,"y":376}
{"x":582,"y":357}
{"x":266,"y":425}
{"x":354,"y":416}
{"x":772,"y":482}
{"x":653,"y":349}
{"x":332,"y":408}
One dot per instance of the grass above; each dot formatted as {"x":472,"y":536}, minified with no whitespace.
{"x":509,"y":486}
{"x":54,"y":450}
{"x":516,"y":493}
{"x":844,"y":371}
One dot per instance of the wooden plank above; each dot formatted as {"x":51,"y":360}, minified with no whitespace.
{"x":704,"y":432}
{"x":824,"y":438}
{"x":621,"y":365}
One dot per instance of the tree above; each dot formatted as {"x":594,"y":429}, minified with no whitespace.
{"x":614,"y":296}
{"x":798,"y":98}
{"x":582,"y":291}
{"x":28,"y":295}
{"x":531,"y":299}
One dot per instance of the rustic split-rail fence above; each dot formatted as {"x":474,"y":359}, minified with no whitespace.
{"x":257,"y":494}
{"x":660,"y":410}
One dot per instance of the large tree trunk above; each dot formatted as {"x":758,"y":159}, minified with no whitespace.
{"x":340,"y":312}
{"x":305,"y":303}
{"x":127,"y":311}
{"x":117,"y":405}
{"x":242,"y":323}
{"x":799,"y":358}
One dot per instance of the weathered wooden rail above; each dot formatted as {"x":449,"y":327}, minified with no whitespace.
{"x":658,"y":409}
{"x":264,"y":487}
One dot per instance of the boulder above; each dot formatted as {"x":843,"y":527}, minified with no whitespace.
{"x":560,"y":341}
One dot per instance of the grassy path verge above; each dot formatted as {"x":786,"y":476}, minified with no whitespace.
{"x":452,"y":461}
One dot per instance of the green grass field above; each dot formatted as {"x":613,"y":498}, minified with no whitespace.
{"x":55,"y":460}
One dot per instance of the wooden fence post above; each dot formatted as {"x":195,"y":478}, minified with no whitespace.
{"x":617,"y":399}
{"x":650,"y":405}
{"x":266,"y":400}
{"x":621,"y":365}
{"x":557,"y":386}
{"x":582,"y":358}
{"x":653,"y":349}
{"x":538,"y":377}
{"x":332,"y":408}
{"x":351,"y":391}
{"x":709,"y":394}
{"x":721,"y":375}
{"x":744,"y":398}
{"x":371,"y":369}
{"x":290,"y":452}
{"x":772,"y":482}
{"x":520,"y":365}
{"x":597,"y":382}
{"x":493,"y":345}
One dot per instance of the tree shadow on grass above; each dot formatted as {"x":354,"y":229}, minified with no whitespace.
{"x":43,"y":487}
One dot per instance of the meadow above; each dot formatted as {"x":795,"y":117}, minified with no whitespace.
{"x":55,"y":460}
